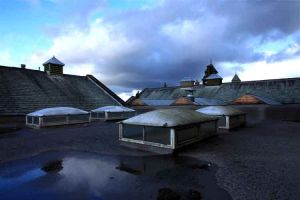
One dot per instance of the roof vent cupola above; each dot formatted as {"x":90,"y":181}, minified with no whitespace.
{"x":54,"y":67}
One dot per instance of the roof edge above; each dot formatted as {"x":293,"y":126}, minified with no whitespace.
{"x":106,"y":89}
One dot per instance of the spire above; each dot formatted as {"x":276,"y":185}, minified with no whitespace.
{"x":236,"y":79}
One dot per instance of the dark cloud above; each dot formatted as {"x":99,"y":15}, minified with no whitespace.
{"x":178,"y":38}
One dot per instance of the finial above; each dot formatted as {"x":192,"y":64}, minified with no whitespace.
{"x":211,"y":61}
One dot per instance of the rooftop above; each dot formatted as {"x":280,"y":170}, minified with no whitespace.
{"x":284,"y":91}
{"x":24,"y":91}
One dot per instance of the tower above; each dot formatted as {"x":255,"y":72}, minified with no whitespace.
{"x":211,"y":76}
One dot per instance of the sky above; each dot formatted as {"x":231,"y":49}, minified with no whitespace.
{"x":133,"y":44}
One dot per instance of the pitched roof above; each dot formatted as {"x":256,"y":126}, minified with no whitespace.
{"x":256,"y":98}
{"x":23,"y":91}
{"x":53,"y":61}
{"x":284,"y":91}
{"x":236,"y":78}
{"x":168,"y":118}
{"x":209,"y":102}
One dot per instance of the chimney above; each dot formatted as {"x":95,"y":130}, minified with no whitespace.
{"x":23,"y":66}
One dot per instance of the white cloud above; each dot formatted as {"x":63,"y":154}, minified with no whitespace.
{"x":144,"y":47}
{"x":263,"y":70}
{"x":85,"y":51}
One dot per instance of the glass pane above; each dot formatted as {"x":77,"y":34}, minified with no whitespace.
{"x":183,"y":135}
{"x":29,"y":120}
{"x":157,"y":135}
{"x":78,"y":118}
{"x":36,"y":120}
{"x":54,"y":119}
{"x":133,"y":132}
{"x":222,"y":121}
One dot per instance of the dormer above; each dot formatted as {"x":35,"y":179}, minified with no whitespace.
{"x":54,"y":67}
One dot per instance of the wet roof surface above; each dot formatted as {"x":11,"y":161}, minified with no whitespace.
{"x":113,"y":109}
{"x":168,"y":118}
{"x":220,"y":110}
{"x":57,"y":111}
{"x":88,"y":176}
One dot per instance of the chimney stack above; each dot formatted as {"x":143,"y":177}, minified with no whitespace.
{"x":23,"y":66}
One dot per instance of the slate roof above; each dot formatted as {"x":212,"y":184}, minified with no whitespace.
{"x":209,"y":102}
{"x":266,"y":100}
{"x":23,"y":91}
{"x":284,"y":91}
{"x":54,"y":61}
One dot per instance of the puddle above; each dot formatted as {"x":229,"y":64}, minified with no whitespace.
{"x":86,"y":176}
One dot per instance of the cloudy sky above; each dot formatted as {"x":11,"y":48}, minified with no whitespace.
{"x":133,"y":44}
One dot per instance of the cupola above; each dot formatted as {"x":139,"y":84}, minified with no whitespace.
{"x":54,"y":67}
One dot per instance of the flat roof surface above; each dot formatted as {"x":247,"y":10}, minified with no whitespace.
{"x":220,"y":110}
{"x":169,"y":118}
{"x":113,"y":109}
{"x":57,"y":111}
